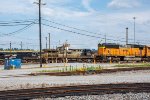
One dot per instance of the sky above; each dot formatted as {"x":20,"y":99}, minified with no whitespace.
{"x":82,"y":23}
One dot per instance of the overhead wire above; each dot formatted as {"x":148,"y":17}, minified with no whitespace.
{"x":14,"y":24}
{"x":26,"y":22}
{"x":71,"y":27}
{"x":22,"y":29}
{"x":70,"y":31}
{"x":82,"y":30}
{"x":17,"y":21}
{"x":77,"y":32}
{"x":75,"y":28}
{"x":6,"y":24}
{"x":121,"y":39}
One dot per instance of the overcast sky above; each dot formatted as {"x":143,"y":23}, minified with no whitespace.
{"x":98,"y":17}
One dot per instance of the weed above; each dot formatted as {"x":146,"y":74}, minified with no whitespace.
{"x":133,"y":65}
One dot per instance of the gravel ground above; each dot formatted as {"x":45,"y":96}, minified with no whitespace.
{"x":25,"y":66}
{"x":30,"y":68}
{"x":127,"y":96}
{"x":19,"y":79}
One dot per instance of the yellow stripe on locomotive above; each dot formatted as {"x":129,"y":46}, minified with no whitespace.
{"x":116,"y":50}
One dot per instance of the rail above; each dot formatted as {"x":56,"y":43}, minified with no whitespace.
{"x":74,"y":91}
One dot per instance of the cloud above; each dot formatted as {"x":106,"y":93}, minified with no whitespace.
{"x":124,"y":4}
{"x":112,"y":23}
{"x":86,"y":4}
{"x":16,"y":7}
{"x":66,"y":13}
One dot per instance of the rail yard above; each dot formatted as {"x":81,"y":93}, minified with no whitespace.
{"x":75,"y":90}
{"x":72,"y":79}
{"x":114,"y":70}
{"x":106,"y":52}
{"x":74,"y":50}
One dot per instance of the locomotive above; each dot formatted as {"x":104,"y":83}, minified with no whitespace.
{"x":129,"y":52}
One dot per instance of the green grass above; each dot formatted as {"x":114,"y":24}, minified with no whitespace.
{"x":93,"y":68}
{"x":48,"y":71}
{"x":133,"y":65}
{"x":73,"y":69}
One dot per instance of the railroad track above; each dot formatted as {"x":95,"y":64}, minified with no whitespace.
{"x":62,"y":91}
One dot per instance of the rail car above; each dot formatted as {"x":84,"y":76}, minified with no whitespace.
{"x":72,"y":55}
{"x":116,"y":52}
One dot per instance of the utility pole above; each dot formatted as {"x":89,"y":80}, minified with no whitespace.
{"x":50,"y":47}
{"x":105,"y":39}
{"x":134,"y":28}
{"x":59,"y":42}
{"x":10,"y":47}
{"x":63,"y":52}
{"x":21,"y":45}
{"x":66,"y":47}
{"x":126,"y":35}
{"x":46,"y":42}
{"x":40,"y":37}
{"x":49,"y":41}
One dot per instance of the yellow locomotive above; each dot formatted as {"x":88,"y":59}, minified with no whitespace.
{"x":116,"y":52}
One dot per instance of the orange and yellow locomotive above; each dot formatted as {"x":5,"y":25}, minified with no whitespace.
{"x":130,"y":52}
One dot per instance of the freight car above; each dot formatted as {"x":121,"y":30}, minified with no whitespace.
{"x":70,"y":55}
{"x":116,"y":52}
{"x":2,"y":55}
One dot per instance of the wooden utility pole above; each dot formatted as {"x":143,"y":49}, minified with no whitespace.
{"x":63,"y":52}
{"x":134,"y":28}
{"x":46,"y":42}
{"x":49,"y":41}
{"x":21,"y":45}
{"x":40,"y":38}
{"x":10,"y":47}
{"x":105,"y":39}
{"x":40,"y":31}
{"x":66,"y":47}
{"x":126,"y":35}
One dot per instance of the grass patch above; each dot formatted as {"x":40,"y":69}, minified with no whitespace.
{"x":47,"y":71}
{"x":133,"y":65}
{"x":73,"y":69}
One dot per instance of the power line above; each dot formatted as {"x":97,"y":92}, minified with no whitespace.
{"x":29,"y":25}
{"x":15,"y":25}
{"x":77,"y":32}
{"x":24,"y":22}
{"x":71,"y":27}
{"x":86,"y":31}
{"x":75,"y":28}
{"x":70,"y":31}
{"x":17,"y":21}
{"x":22,"y":29}
{"x":4,"y":44}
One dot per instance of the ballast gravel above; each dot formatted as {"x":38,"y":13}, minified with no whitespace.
{"x":127,"y":96}
{"x":26,"y":82}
